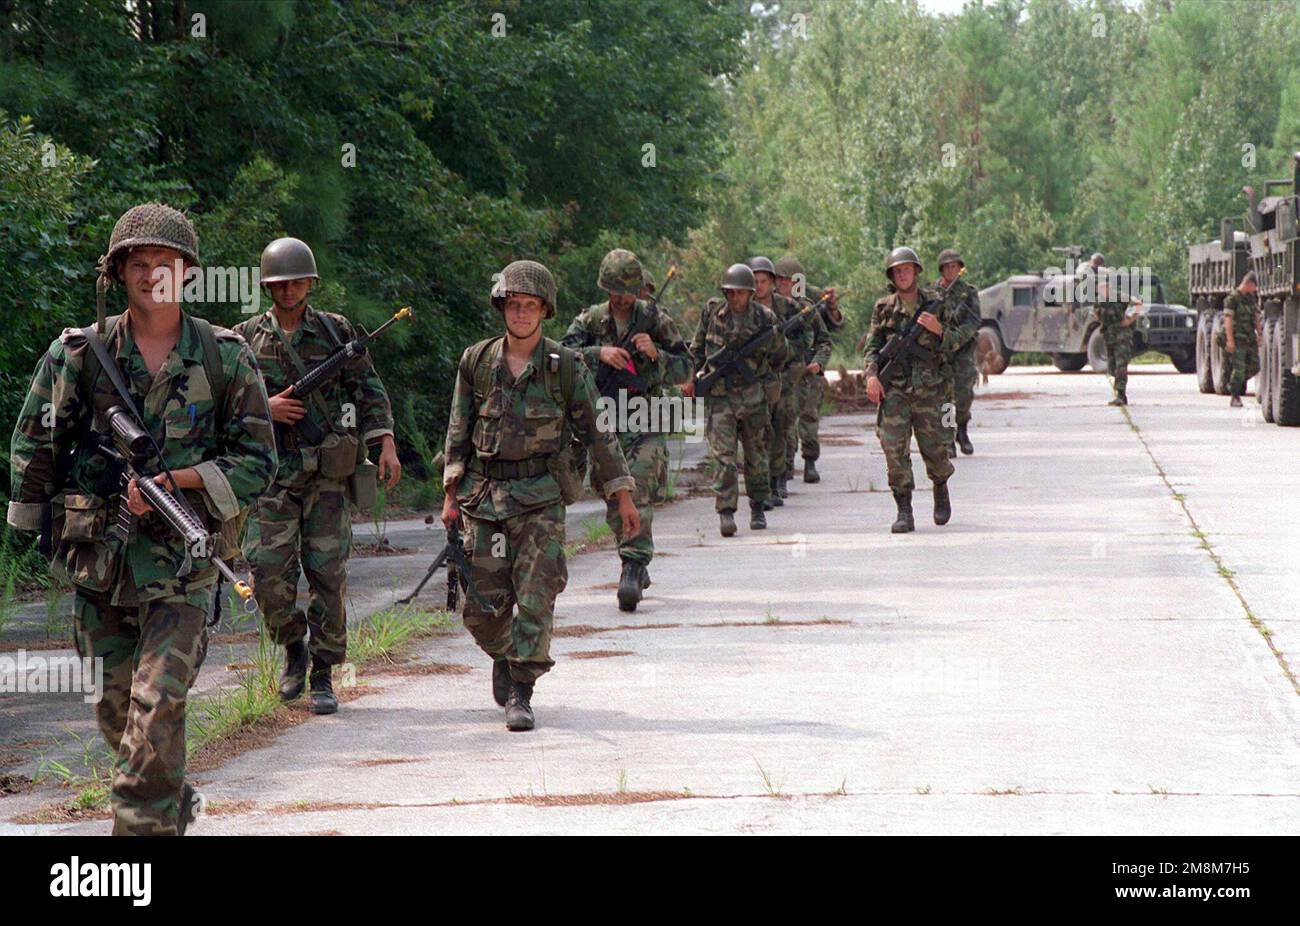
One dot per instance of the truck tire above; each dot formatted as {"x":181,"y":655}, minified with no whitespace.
{"x":1267,"y":375}
{"x":1286,"y":385}
{"x":991,"y":351}
{"x":1184,"y":361}
{"x":1204,"y":321}
{"x":1097,"y":351}
{"x":1069,"y":363}
{"x":1220,"y":367}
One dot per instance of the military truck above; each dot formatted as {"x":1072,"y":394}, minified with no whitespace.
{"x":1267,"y":244}
{"x":1034,"y":312}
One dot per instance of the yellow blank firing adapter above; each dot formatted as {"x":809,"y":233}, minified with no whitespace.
{"x":404,"y":312}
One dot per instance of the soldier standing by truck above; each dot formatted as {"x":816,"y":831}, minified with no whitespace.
{"x":1116,"y":318}
{"x":1242,"y":319}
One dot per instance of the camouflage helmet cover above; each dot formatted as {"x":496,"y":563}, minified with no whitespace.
{"x":288,"y":259}
{"x":648,"y":280}
{"x":788,"y":267}
{"x":1097,"y":260}
{"x":948,"y":255}
{"x":527,"y":277}
{"x":620,"y":273}
{"x":761,"y":265}
{"x":902,"y":255}
{"x":150,"y":225}
{"x":738,"y":276}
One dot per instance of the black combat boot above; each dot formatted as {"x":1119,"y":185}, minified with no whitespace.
{"x":783,"y":484}
{"x":903,"y":524}
{"x":501,"y":680}
{"x":952,"y":450}
{"x":727,"y":522}
{"x":645,"y":578}
{"x":942,"y":503}
{"x":629,"y":586}
{"x":810,"y":473}
{"x":294,"y":678}
{"x":519,"y":709}
{"x":1236,"y":401}
{"x":963,"y":440}
{"x":756,"y":520}
{"x":192,"y":806}
{"x":773,"y":499}
{"x":1120,"y":399}
{"x":322,"y":689}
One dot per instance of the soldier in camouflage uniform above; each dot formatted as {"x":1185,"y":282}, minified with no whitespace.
{"x":135,"y":605}
{"x":517,"y":404}
{"x":610,"y":336}
{"x":912,"y":399}
{"x":1241,"y":323}
{"x":961,"y":305}
{"x":1116,"y":320}
{"x":306,"y":517}
{"x":812,"y":346}
{"x":737,"y":407}
{"x":787,"y":373}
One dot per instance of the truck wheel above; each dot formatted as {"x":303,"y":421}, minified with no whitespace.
{"x":1204,"y":319}
{"x":1267,"y":375}
{"x":1185,"y":361}
{"x":1097,"y":351}
{"x":991,"y":352}
{"x":1220,"y":366}
{"x":1286,"y":385}
{"x":1069,"y":363}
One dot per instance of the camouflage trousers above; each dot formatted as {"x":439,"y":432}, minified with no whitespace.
{"x":730,"y":427}
{"x":517,"y":562}
{"x":809,"y":403}
{"x":919,"y":411}
{"x":1245,"y":364}
{"x":1119,"y":351}
{"x":647,"y":457}
{"x":964,"y":377}
{"x":311,"y":526}
{"x":783,"y":430}
{"x":152,"y":653}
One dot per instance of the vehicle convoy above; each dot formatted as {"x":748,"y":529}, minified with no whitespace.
{"x":1267,"y":244}
{"x":1052,"y":313}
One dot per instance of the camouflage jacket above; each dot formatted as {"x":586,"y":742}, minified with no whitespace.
{"x":519,"y":420}
{"x":815,"y":336}
{"x":720,"y":327}
{"x":889,"y":316}
{"x":368,"y":414}
{"x":233,"y":452}
{"x":961,"y":310}
{"x":1243,"y":310}
{"x":594,"y":328}
{"x":798,"y":343}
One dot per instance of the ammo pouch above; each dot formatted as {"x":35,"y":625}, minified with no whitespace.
{"x":78,"y":518}
{"x":363,"y":485}
{"x":85,"y":552}
{"x":338,"y":455}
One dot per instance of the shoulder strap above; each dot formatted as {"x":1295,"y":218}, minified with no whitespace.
{"x":212,"y":367}
{"x":479,"y":373}
{"x":91,"y":365}
{"x":331,"y":330}
{"x":560,"y":375}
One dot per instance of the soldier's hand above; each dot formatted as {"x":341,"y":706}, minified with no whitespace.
{"x":875,"y":390}
{"x":615,"y":357}
{"x":930,"y":323}
{"x":630,"y":516}
{"x":688,"y":388}
{"x":450,"y":508}
{"x":135,"y":501}
{"x":1230,"y":346}
{"x":814,"y":368}
{"x":390,"y":468}
{"x":285,"y":410}
{"x":646,"y":345}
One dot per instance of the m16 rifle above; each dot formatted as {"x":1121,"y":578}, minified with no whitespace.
{"x":903,"y":347}
{"x":134,"y":449}
{"x":307,"y":430}
{"x":458,"y":573}
{"x":730,"y":359}
{"x":609,"y":380}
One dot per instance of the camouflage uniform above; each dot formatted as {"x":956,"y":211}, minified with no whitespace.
{"x":1119,"y":344}
{"x":738,"y":411}
{"x":646,"y":451}
{"x":1241,"y":310}
{"x":782,"y":431}
{"x":810,"y":344}
{"x":306,"y":517}
{"x":961,"y":309}
{"x":130,"y":606}
{"x":914,"y":398}
{"x":500,"y":452}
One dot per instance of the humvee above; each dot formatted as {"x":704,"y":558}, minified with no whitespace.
{"x":1025,"y":312}
{"x":1268,"y":244}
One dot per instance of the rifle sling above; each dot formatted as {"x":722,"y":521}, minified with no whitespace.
{"x":317,"y":402}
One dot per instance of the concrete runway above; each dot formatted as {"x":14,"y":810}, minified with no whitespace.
{"x":1065,"y":656}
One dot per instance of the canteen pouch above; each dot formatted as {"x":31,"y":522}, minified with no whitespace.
{"x":363,"y":485}
{"x":338,"y":456}
{"x":79,"y":518}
